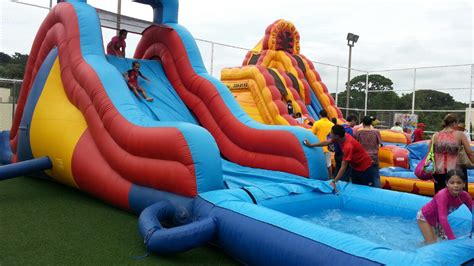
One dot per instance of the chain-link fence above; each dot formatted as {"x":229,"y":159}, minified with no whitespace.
{"x":9,"y":91}
{"x":429,"y":92}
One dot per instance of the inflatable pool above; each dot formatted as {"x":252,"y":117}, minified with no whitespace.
{"x":301,"y":215}
{"x":304,"y":223}
{"x":192,"y":164}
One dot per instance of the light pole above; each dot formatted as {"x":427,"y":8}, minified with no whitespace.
{"x":351,"y":40}
{"x":119,"y":15}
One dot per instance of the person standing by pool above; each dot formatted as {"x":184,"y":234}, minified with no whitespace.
{"x":433,"y":217}
{"x":321,"y":129}
{"x":352,"y":121}
{"x":363,"y":170}
{"x":371,"y":140}
{"x":446,"y":146}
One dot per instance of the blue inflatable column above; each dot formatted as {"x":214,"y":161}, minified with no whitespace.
{"x":25,"y":167}
{"x":5,"y":151}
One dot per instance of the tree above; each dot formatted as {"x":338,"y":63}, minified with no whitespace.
{"x":4,"y":58}
{"x":381,"y":94}
{"x":382,"y":97}
{"x":376,"y":83}
{"x":432,"y":100}
{"x":20,"y":59}
{"x":12,"y":67}
{"x":388,"y":100}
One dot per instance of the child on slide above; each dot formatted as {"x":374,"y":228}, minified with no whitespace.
{"x":131,"y":76}
{"x":433,"y":217}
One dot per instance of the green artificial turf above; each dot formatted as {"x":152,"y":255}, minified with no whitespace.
{"x":46,"y":223}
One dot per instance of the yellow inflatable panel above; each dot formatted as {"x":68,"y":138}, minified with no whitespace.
{"x":250,"y":89}
{"x":246,"y":101}
{"x":394,"y":136}
{"x":415,"y":186}
{"x":56,"y":127}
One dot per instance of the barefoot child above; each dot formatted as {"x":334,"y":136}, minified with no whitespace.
{"x":132,"y":80}
{"x":433,"y":217}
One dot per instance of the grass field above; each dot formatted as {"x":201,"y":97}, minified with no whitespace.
{"x":46,"y":223}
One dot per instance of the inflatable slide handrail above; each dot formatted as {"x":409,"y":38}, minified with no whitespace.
{"x":176,"y":239}
{"x":141,"y":150}
{"x":239,"y":138}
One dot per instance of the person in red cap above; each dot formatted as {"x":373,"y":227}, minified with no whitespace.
{"x":418,"y":133}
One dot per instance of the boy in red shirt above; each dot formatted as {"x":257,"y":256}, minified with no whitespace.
{"x":132,"y":80}
{"x":363,"y":169}
{"x":116,"y":46}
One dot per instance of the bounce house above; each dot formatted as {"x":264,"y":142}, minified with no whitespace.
{"x":402,"y":177}
{"x":192,"y":159}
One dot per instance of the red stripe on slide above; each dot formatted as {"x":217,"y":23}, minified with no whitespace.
{"x":92,"y":174}
{"x":268,"y":149}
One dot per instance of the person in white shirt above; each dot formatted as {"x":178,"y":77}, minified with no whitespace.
{"x":397,"y":127}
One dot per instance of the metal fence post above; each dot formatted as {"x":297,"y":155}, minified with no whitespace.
{"x":337,"y":83}
{"x":366,"y":92}
{"x":13,"y":100}
{"x":119,"y":14}
{"x":469,"y":110}
{"x":212,"y":58}
{"x":414,"y":89}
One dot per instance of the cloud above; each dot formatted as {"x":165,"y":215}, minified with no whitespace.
{"x":393,"y":34}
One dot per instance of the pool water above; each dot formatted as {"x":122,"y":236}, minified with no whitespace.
{"x":389,"y":231}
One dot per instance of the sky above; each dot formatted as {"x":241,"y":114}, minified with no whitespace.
{"x":393,"y":34}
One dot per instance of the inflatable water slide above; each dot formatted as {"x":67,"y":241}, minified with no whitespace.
{"x":274,"y":72}
{"x":192,"y":164}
